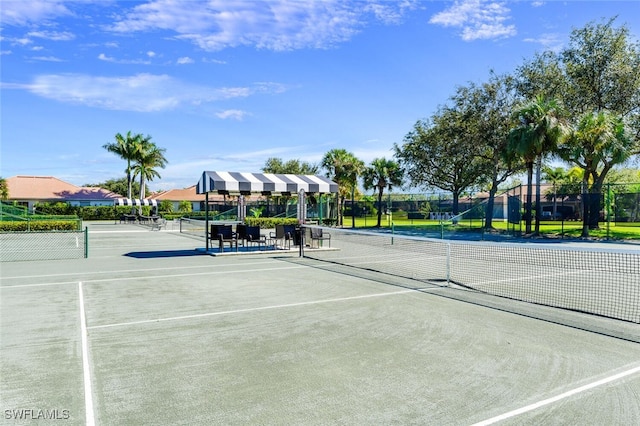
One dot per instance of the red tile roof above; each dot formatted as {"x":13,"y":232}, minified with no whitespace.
{"x":51,"y":188}
{"x":189,"y":194}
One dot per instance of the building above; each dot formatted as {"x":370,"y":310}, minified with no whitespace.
{"x":29,"y":190}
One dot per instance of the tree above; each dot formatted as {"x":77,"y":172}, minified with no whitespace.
{"x":148,"y":157}
{"x":439,"y":153}
{"x":381,"y":174}
{"x":597,"y":73}
{"x":4,"y":189}
{"x":185,"y":206}
{"x":541,"y":129}
{"x":596,"y":145}
{"x":555,"y":176}
{"x":487,"y":110}
{"x":118,"y":186}
{"x":343,"y":168}
{"x":126,"y":147}
{"x":294,"y":167}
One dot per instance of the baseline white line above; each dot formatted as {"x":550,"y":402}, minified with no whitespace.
{"x":137,"y":278}
{"x":213,"y":265}
{"x":88,"y":397}
{"x":556,"y":398}
{"x":262,"y":308}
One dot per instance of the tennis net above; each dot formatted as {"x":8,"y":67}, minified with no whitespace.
{"x":602,"y":282}
{"x":192,"y":227}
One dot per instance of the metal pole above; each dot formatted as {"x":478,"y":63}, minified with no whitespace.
{"x":206,"y":220}
{"x":86,"y":242}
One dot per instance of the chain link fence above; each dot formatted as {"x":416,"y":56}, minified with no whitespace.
{"x":24,"y":246}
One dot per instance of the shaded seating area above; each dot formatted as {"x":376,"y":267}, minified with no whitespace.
{"x":128,"y":218}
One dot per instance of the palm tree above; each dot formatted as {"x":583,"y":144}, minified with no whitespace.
{"x":598,"y":143}
{"x":126,"y":147}
{"x":554,"y":176}
{"x":147,"y":158}
{"x":381,"y":174}
{"x":541,"y":129}
{"x":343,"y":168}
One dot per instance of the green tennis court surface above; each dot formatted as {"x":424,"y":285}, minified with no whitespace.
{"x":147,"y":331}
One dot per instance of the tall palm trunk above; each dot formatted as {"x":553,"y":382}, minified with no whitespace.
{"x":527,"y":212}
{"x":585,"y":207}
{"x":538,"y":206}
{"x":380,"y":206}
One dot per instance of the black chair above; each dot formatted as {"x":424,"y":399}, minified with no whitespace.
{"x":253,"y":236}
{"x":241,"y":233}
{"x":224,"y":235}
{"x":285,"y":234}
{"x":318,"y":236}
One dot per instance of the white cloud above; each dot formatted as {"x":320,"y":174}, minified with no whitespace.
{"x":52,"y":35}
{"x":20,"y":12}
{"x":140,"y":92}
{"x":184,"y":60}
{"x":275,"y":25}
{"x":151,"y":54}
{"x":106,"y":58}
{"x":549,"y":41}
{"x":47,"y":59}
{"x":478,"y":19}
{"x":233,"y":114}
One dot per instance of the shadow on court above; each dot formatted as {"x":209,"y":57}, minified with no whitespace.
{"x":164,"y":253}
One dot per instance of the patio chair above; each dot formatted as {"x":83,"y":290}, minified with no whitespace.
{"x":241,"y":233}
{"x":224,"y":235}
{"x":318,"y":236}
{"x":253,"y":236}
{"x":285,"y":234}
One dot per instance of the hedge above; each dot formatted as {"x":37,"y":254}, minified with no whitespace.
{"x":40,"y":225}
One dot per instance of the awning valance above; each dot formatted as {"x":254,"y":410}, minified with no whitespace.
{"x":135,"y":202}
{"x":263,"y":183}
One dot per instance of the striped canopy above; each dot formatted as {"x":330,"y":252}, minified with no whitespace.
{"x":135,"y":202}
{"x":263,"y":183}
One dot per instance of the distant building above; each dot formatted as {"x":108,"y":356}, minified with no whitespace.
{"x":29,"y":190}
{"x":176,"y":196}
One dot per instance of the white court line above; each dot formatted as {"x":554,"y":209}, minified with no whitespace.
{"x":559,"y":397}
{"x":213,"y":265}
{"x":262,"y":308}
{"x":88,"y":398}
{"x":132,"y":278}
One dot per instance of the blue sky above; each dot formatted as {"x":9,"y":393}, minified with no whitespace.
{"x":223,"y":85}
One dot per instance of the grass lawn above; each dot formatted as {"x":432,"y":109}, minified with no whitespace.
{"x":571,"y":229}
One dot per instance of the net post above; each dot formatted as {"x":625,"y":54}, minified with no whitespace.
{"x":86,"y":242}
{"x":393,"y":230}
{"x":301,"y":247}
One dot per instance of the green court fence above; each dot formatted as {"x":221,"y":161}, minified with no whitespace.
{"x":25,"y":246}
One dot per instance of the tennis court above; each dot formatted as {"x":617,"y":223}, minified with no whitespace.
{"x":147,"y":330}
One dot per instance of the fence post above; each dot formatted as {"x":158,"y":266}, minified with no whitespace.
{"x":86,"y":242}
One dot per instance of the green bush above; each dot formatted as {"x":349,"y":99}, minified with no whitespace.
{"x":270,"y":222}
{"x":40,"y":225}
